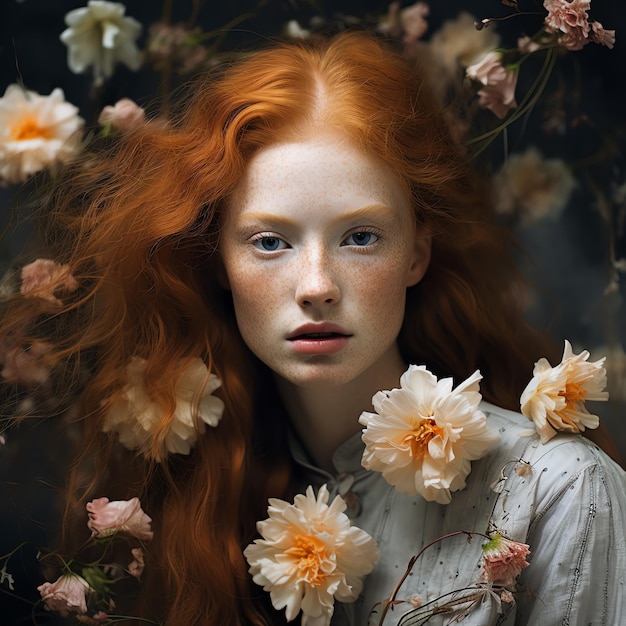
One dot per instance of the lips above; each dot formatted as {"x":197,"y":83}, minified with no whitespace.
{"x":317,"y":332}
{"x":319,"y":339}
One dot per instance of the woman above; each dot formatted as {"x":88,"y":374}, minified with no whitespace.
{"x":308,"y":230}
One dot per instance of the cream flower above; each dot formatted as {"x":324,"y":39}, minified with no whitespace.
{"x":137,"y":418}
{"x":503,"y":561}
{"x":459,"y":42}
{"x":67,"y":593}
{"x":43,"y":278}
{"x":408,"y":22}
{"x":555,"y":397}
{"x":35,"y":131}
{"x":424,"y":435}
{"x":100,"y":35}
{"x":309,"y":555}
{"x":533,"y":187}
{"x":120,"y":516}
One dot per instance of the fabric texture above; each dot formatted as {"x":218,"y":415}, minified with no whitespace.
{"x":569,"y":508}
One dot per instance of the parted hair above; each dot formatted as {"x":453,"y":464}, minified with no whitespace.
{"x":139,"y":225}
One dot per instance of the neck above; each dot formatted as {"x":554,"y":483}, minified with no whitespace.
{"x":324,"y":417}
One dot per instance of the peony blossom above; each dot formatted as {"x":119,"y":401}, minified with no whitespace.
{"x":67,"y":593}
{"x":498,"y":91}
{"x":125,"y":115}
{"x":119,"y":516}
{"x":555,"y":397}
{"x":35,"y":132}
{"x":43,"y":278}
{"x":503,"y":560}
{"x":309,"y":555}
{"x":568,"y":16}
{"x":99,"y":35}
{"x":533,"y":187}
{"x":137,"y":418}
{"x":424,"y":435}
{"x":137,"y":565}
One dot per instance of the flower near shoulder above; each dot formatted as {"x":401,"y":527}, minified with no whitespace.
{"x":35,"y":132}
{"x":555,"y":397}
{"x":100,"y":35}
{"x":137,"y":418}
{"x":108,"y":517}
{"x":309,"y":555}
{"x":43,"y":278}
{"x":423,"y":436}
{"x":67,"y":593}
{"x":503,"y":561}
{"x":498,"y":91}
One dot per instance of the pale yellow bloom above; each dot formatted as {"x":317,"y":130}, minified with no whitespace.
{"x":555,"y":397}
{"x":310,"y":555}
{"x":424,"y":435}
{"x":136,"y":417}
{"x":35,"y":132}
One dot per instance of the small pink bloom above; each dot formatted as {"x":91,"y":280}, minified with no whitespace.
{"x":576,"y":40}
{"x":500,"y":98}
{"x":507,"y":596}
{"x":25,"y":364}
{"x":568,"y":16}
{"x":43,"y":278}
{"x":503,"y":560}
{"x":125,"y":115}
{"x":136,"y":567}
{"x":489,"y":70}
{"x":107,"y":518}
{"x":527,"y":45}
{"x":602,"y":36}
{"x":66,"y":594}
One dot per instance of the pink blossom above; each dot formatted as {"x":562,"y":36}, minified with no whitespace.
{"x":503,"y":560}
{"x":500,"y":98}
{"x":489,"y":71}
{"x":125,"y":115}
{"x":66,"y":594}
{"x":136,"y":567}
{"x":527,"y":45}
{"x":25,"y":364}
{"x":107,"y":518}
{"x":576,"y":40}
{"x":43,"y":277}
{"x":568,"y":16}
{"x":602,"y":36}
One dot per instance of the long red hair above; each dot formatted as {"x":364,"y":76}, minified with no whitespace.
{"x":139,"y":226}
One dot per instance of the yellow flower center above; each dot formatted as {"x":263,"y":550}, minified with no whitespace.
{"x":28,"y":128}
{"x":419,"y":437}
{"x":574,"y":392}
{"x":310,"y":552}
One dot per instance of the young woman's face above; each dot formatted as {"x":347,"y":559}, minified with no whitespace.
{"x":319,"y":245}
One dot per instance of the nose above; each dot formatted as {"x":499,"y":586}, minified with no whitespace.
{"x":316,"y":281}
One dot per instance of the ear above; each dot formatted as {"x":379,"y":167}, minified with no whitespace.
{"x":421,"y":257}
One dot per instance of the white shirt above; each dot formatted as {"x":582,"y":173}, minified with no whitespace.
{"x":570,"y":508}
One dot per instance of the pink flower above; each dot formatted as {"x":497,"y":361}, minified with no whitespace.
{"x":25,"y":364}
{"x":568,"y":16}
{"x":602,"y":36}
{"x":498,"y":93}
{"x":125,"y":115}
{"x":43,"y":278}
{"x":107,"y":518}
{"x":503,"y":560}
{"x":66,"y":594}
{"x":136,"y":567}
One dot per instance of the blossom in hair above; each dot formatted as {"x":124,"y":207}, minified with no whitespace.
{"x":310,"y":555}
{"x":35,"y":132}
{"x":498,"y":91}
{"x":555,"y":397}
{"x":136,"y":417}
{"x":100,"y":35}
{"x":25,"y":364}
{"x":67,"y":593}
{"x":503,"y":561}
{"x":137,"y":565}
{"x":124,"y":115}
{"x":423,"y":435}
{"x":43,"y":278}
{"x":108,"y":517}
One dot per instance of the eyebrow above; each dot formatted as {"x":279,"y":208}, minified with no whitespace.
{"x":365,"y":212}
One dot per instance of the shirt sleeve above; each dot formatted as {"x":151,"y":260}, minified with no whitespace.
{"x":577,"y":570}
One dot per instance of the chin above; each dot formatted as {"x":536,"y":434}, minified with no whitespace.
{"x":320,"y":375}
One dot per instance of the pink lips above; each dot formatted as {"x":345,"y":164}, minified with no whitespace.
{"x":324,"y":338}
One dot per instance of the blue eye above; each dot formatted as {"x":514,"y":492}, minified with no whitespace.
{"x":361,"y":238}
{"x":269,"y":244}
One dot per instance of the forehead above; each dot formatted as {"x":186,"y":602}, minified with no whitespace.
{"x":318,"y":171}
